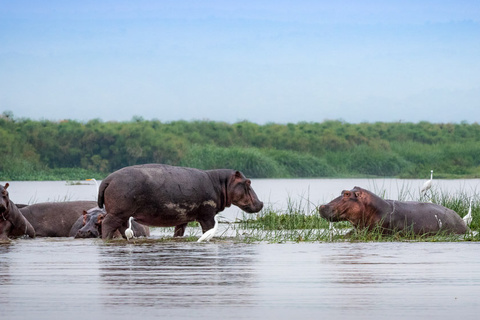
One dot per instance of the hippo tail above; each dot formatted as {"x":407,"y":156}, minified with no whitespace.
{"x":101,"y":192}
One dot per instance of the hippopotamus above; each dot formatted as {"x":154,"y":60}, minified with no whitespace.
{"x":89,"y":225}
{"x":55,"y":219}
{"x":165,"y":196}
{"x":365,"y":210}
{"x":12,"y":222}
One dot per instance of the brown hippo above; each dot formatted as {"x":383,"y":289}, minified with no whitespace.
{"x":89,"y":225}
{"x":162,"y":195}
{"x":12,"y":222}
{"x":55,"y":219}
{"x":364,"y":209}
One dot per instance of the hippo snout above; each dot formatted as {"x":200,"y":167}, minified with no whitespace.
{"x":326,"y":212}
{"x":86,"y":234}
{"x":256,"y":207}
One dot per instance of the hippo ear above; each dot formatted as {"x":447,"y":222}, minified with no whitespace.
{"x":238,"y":175}
{"x":100,"y":218}
{"x":6,"y":186}
{"x":357,"y":194}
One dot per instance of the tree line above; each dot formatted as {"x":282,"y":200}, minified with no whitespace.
{"x":31,"y":150}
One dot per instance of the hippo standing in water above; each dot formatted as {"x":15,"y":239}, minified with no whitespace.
{"x":12,"y":222}
{"x":55,"y":219}
{"x":89,"y":225}
{"x":364,"y":209}
{"x":162,"y":195}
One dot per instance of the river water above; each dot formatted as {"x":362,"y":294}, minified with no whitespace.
{"x":64,"y":278}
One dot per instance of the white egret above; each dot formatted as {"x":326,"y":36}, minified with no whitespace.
{"x":96,"y":183}
{"x":468,"y":216}
{"x":428,"y":184}
{"x":209,"y":233}
{"x":129,"y":232}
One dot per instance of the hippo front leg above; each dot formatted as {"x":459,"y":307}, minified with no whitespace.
{"x":110,"y":224}
{"x":180,"y":230}
{"x":207,"y":223}
{"x":4,"y":230}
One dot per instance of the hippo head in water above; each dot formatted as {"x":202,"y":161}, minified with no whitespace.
{"x":240,"y":193}
{"x":92,"y":223}
{"x":349,"y":206}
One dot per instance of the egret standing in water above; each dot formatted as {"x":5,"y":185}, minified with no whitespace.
{"x":129,"y":232}
{"x":428,"y":184}
{"x":209,"y":233}
{"x":468,"y":216}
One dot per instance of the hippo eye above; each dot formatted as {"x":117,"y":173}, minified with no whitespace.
{"x":346,"y":194}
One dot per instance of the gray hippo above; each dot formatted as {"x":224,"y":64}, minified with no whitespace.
{"x":55,"y":219}
{"x":89,"y":225}
{"x":164,"y":196}
{"x":364,"y":209}
{"x":12,"y":222}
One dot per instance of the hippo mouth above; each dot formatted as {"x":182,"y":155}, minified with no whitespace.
{"x":252,"y":208}
{"x":327,"y":213}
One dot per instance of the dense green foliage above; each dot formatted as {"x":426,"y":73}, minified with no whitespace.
{"x":46,"y":149}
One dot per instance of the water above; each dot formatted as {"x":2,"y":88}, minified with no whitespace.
{"x":74,"y":279}
{"x":55,"y":278}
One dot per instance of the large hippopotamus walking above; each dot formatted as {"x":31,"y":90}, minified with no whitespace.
{"x":55,"y":219}
{"x":12,"y":222}
{"x":364,"y":209}
{"x":89,"y":225}
{"x":162,"y":195}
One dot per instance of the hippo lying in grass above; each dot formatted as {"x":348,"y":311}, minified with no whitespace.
{"x":164,"y":196}
{"x":12,"y":222}
{"x":89,"y":225}
{"x":364,"y":209}
{"x":55,"y":219}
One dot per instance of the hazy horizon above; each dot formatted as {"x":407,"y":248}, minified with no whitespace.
{"x":260,"y":61}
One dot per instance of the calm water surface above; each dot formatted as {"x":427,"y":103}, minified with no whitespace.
{"x":64,"y":278}
{"x":78,"y":279}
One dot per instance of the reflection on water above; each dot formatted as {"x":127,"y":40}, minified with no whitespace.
{"x":78,"y":279}
{"x":177,"y":274}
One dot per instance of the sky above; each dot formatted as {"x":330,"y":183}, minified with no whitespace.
{"x":256,"y":60}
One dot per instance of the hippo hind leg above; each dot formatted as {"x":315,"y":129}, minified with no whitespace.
{"x":180,"y":230}
{"x":110,"y":224}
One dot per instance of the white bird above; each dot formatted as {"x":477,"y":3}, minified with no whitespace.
{"x":468,"y":216}
{"x":96,"y":183}
{"x":209,"y":233}
{"x":428,"y":184}
{"x":129,"y":232}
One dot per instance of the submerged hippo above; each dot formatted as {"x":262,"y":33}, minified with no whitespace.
{"x":55,"y":219}
{"x":164,"y":196}
{"x":364,"y":209}
{"x":89,"y":225}
{"x":12,"y":222}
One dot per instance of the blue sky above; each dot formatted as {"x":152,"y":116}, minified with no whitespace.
{"x":261,"y":61}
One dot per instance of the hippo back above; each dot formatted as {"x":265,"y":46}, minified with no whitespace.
{"x":55,"y":219}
